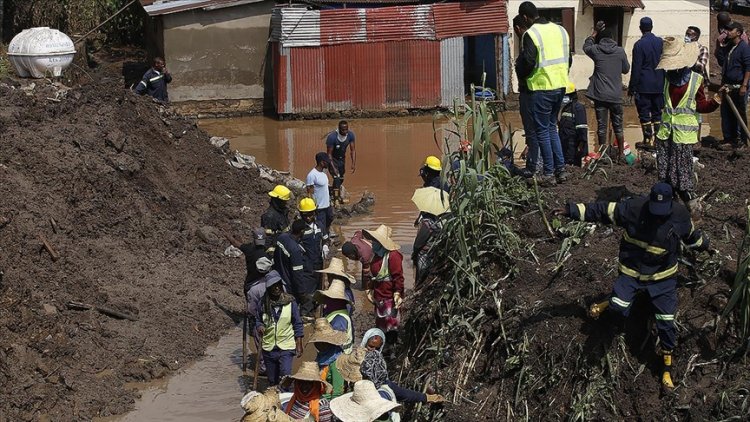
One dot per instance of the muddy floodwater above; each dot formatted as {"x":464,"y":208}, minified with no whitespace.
{"x":389,"y":154}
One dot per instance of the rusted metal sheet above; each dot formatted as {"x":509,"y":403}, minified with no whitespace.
{"x":362,"y":76}
{"x":617,"y":3}
{"x":451,"y":70}
{"x":295,"y":26}
{"x":400,"y":23}
{"x":343,"y":26}
{"x":470,"y":18}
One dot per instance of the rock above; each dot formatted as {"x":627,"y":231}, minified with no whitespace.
{"x":208,"y":234}
{"x":295,"y":184}
{"x":232,"y":252}
{"x":242,"y":161}
{"x":4,"y":221}
{"x":49,"y":309}
{"x":220,"y":143}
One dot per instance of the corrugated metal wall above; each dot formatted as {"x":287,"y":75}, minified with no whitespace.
{"x":470,"y":18}
{"x":451,"y":70}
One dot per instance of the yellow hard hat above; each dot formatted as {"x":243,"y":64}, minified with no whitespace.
{"x":433,"y":163}
{"x":571,"y":88}
{"x":307,"y":205}
{"x":282,"y":192}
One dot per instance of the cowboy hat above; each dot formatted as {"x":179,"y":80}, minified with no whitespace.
{"x":348,"y":365}
{"x":677,"y":54}
{"x":337,"y":290}
{"x":383,"y":236}
{"x":363,"y":405}
{"x":336,"y":267}
{"x":324,"y":333}
{"x":308,"y":371}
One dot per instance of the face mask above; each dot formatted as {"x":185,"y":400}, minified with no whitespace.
{"x":378,"y":249}
{"x":566,"y":100}
{"x":688,"y":39}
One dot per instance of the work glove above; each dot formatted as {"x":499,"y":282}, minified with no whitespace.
{"x":435,"y":398}
{"x":370,"y":297}
{"x":326,"y":251}
{"x":397,"y":301}
{"x":261,"y":330}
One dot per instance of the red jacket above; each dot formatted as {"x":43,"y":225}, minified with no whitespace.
{"x":386,"y":289}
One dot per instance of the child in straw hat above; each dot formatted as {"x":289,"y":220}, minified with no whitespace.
{"x":329,"y":343}
{"x":307,"y":401}
{"x":386,"y":289}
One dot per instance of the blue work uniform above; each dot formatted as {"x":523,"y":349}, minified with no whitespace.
{"x":648,"y":255}
{"x":574,"y":132}
{"x":154,"y":83}
{"x":646,"y":83}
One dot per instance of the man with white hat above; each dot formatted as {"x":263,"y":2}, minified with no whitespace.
{"x":386,"y":289}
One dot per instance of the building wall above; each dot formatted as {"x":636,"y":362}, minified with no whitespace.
{"x":218,"y":54}
{"x":671,"y":18}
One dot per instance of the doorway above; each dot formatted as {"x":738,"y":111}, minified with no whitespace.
{"x":613,"y":19}
{"x":479,"y":56}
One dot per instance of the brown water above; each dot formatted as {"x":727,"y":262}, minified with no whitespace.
{"x":389,"y":154}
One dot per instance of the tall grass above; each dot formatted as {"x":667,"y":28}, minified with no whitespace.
{"x":739,"y":300}
{"x":4,"y":62}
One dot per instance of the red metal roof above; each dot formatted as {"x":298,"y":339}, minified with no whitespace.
{"x":470,"y":18}
{"x":163,"y":7}
{"x":617,"y":3}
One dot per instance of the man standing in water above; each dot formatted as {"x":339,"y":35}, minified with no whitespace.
{"x":337,"y":143}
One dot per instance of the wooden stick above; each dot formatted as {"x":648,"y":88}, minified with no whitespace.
{"x":46,"y":245}
{"x":80,"y":306}
{"x":736,"y":113}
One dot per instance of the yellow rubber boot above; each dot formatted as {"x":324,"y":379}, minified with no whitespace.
{"x":596,"y":309}
{"x":666,"y":376}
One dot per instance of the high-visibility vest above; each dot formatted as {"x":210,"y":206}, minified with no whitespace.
{"x":552,"y":57}
{"x":279,"y":333}
{"x":349,"y":332}
{"x":682,"y":121}
{"x":385,"y":271}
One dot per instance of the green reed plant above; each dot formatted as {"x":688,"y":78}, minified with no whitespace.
{"x":740,"y":298}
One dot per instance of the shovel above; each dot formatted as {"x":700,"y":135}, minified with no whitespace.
{"x":736,"y":114}
{"x":244,"y":344}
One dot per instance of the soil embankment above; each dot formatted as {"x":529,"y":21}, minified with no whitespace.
{"x":131,"y":197}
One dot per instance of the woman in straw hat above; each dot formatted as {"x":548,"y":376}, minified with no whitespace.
{"x":360,"y":249}
{"x":363,"y":405}
{"x":684,"y":98}
{"x":337,"y":300}
{"x":386,"y":289}
{"x":375,"y":369}
{"x":307,"y":401}
{"x":329,"y":343}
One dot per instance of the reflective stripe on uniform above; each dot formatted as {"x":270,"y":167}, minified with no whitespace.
{"x":581,"y":211}
{"x":681,"y":122}
{"x":553,"y":56}
{"x":269,"y":231}
{"x":643,"y":245}
{"x":283,"y":249}
{"x":648,"y":277}
{"x":156,"y":78}
{"x":144,"y":83}
{"x":619,"y":302}
{"x":298,"y":267}
{"x":582,"y":126}
{"x":696,"y":244}
{"x":664,"y":317}
{"x":611,"y":211}
{"x":566,"y":114}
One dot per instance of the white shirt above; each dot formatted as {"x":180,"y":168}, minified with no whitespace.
{"x":319,"y":179}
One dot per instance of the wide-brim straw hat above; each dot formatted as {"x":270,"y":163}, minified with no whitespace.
{"x":677,"y":54}
{"x":262,"y":407}
{"x":337,"y":290}
{"x":383,"y":235}
{"x":362,"y":405}
{"x":324,"y":333}
{"x":336,"y":267}
{"x":308,"y":371}
{"x":349,"y":365}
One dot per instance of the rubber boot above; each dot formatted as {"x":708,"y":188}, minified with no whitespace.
{"x":336,"y":196}
{"x":596,"y":309}
{"x":648,"y":137}
{"x":666,"y":376}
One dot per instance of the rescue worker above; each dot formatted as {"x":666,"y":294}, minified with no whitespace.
{"x":280,"y":326}
{"x":430,"y":172}
{"x":315,"y":244}
{"x":289,"y":260}
{"x":386,"y":289}
{"x":317,"y":189}
{"x":337,"y":143}
{"x":531,"y":152}
{"x":544,"y":64}
{"x":647,"y":83}
{"x":574,"y":128}
{"x":735,"y":76}
{"x":684,"y":97}
{"x":155,"y":80}
{"x":275,"y":220}
{"x":654,"y":226}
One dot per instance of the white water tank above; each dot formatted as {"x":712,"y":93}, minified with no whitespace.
{"x":36,"y":52}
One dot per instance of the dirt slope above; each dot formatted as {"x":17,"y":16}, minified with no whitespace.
{"x":136,"y":195}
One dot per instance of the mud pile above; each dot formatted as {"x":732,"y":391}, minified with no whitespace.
{"x":131,"y":198}
{"x":524,"y":348}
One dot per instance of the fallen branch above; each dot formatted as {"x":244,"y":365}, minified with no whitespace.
{"x":80,"y":306}
{"x":46,"y":245}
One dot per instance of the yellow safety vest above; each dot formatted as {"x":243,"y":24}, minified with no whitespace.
{"x":349,"y":332}
{"x":279,"y":334}
{"x":682,"y":121}
{"x":552,"y":57}
{"x":385,"y":271}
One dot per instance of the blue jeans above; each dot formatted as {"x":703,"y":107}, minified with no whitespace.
{"x":545,"y":106}
{"x":527,"y":118}
{"x":730,"y":127}
{"x":278,"y":364}
{"x":663,"y":295}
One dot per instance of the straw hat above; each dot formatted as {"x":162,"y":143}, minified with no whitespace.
{"x":308,"y":371}
{"x":336,"y":267}
{"x":677,"y":54}
{"x":324,"y":333}
{"x":263,"y":407}
{"x":337,"y":290}
{"x":383,"y":235}
{"x":363,"y":405}
{"x":348,"y":365}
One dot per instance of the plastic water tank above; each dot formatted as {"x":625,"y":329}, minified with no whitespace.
{"x":36,"y":52}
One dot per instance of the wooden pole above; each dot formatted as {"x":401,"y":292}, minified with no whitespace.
{"x":737,"y":114}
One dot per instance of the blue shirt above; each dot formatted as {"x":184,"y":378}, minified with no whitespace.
{"x":644,"y":78}
{"x":736,"y":64}
{"x":339,"y":147}
{"x":319,"y":180}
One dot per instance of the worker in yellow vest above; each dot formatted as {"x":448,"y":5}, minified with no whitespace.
{"x":280,"y":327}
{"x":543,"y":66}
{"x":336,"y":301}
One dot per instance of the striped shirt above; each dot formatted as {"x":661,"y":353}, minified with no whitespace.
{"x":300,"y":411}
